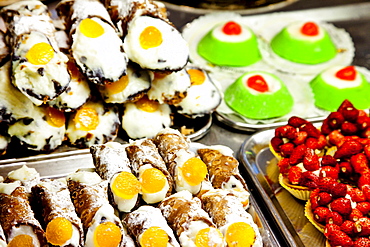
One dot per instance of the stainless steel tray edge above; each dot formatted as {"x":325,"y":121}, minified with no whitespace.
{"x":248,"y":155}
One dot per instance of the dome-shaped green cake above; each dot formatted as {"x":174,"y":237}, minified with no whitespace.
{"x":334,"y":85}
{"x":304,"y":42}
{"x":230,"y":44}
{"x":259,"y":95}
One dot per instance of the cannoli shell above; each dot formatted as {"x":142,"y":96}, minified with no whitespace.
{"x":15,"y":210}
{"x":220,"y":167}
{"x":108,"y":160}
{"x":57,"y":204}
{"x":180,"y":212}
{"x":87,"y":199}
{"x":147,"y":153}
{"x":168,"y":143}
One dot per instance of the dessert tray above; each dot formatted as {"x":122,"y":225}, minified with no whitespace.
{"x":340,"y":24}
{"x":287,"y":211}
{"x":65,"y":163}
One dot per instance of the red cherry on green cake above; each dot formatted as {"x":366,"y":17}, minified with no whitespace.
{"x":232,"y":28}
{"x":257,"y":83}
{"x":310,"y":29}
{"x":347,"y":73}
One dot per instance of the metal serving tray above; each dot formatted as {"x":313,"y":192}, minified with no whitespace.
{"x":62,"y":164}
{"x":286,"y":211}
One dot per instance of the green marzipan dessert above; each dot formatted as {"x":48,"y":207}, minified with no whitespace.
{"x":288,"y":46}
{"x":233,"y":54}
{"x":258,"y":105}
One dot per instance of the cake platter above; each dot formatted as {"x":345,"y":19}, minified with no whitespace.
{"x":305,"y":107}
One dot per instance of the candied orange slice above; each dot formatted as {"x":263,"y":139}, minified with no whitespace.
{"x":107,"y":234}
{"x":59,"y":231}
{"x":240,"y":234}
{"x":152,"y":180}
{"x":21,"y":241}
{"x":117,"y":86}
{"x":126,"y":185}
{"x":205,"y":237}
{"x":154,"y":237}
{"x":91,"y":28}
{"x":197,"y":77}
{"x":54,"y":117}
{"x":86,"y":119}
{"x":194,"y":171}
{"x":40,"y":54}
{"x":150,"y":37}
{"x":147,"y":105}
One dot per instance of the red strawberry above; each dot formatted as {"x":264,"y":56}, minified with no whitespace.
{"x":363,"y":180}
{"x":335,"y":137}
{"x":366,"y":191}
{"x":338,"y":190}
{"x":367,"y":151}
{"x":347,"y":149}
{"x":341,"y":205}
{"x":320,"y":214}
{"x":348,"y":227}
{"x":365,"y":133}
{"x":356,"y":194}
{"x":300,"y":138}
{"x":297,"y":154}
{"x":362,"y":226}
{"x":349,"y":128}
{"x":326,"y":183}
{"x":329,"y":171}
{"x":328,"y":160}
{"x":276,"y":142}
{"x":334,"y":218}
{"x":296,"y":121}
{"x":286,"y":131}
{"x":295,"y":175}
{"x":331,"y":228}
{"x":345,"y":168}
{"x":286,"y":149}
{"x":284,"y":165}
{"x":311,"y":160}
{"x":349,"y":112}
{"x":309,"y":179}
{"x":362,"y":242}
{"x":364,"y":207}
{"x":314,"y":198}
{"x":339,"y":238}
{"x":360,"y":163}
{"x":316,"y":143}
{"x":355,"y":215}
{"x":325,"y":127}
{"x":324,"y":198}
{"x":363,"y":122}
{"x":311,"y":130}
{"x":335,"y":120}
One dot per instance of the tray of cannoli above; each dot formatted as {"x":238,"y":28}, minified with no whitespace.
{"x":160,"y":191}
{"x":277,"y":65}
{"x":78,"y":73}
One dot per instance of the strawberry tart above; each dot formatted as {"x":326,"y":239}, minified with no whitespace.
{"x":332,"y":163}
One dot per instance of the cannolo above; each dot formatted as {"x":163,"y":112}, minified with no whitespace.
{"x":39,"y":68}
{"x":19,"y":223}
{"x":190,"y":222}
{"x":100,"y":223}
{"x":223,"y":171}
{"x":150,"y":39}
{"x":149,"y":167}
{"x":95,"y":43}
{"x":187,"y":170}
{"x":169,"y":88}
{"x":27,"y":176}
{"x":62,"y":225}
{"x":2,"y":238}
{"x":152,"y":115}
{"x":148,"y":226}
{"x":229,"y":215}
{"x":93,"y":123}
{"x":112,"y":164}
